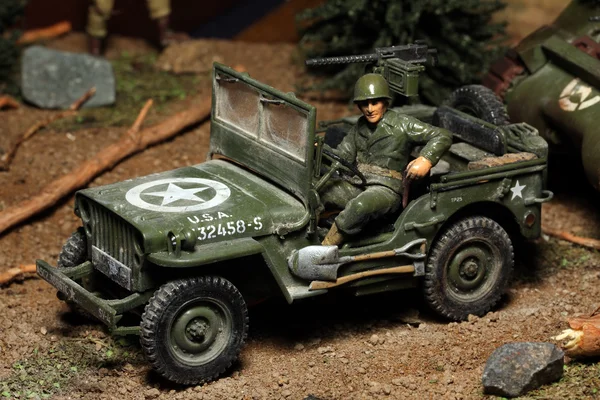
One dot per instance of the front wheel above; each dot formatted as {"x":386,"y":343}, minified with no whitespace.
{"x":193,"y":329}
{"x":469,"y":268}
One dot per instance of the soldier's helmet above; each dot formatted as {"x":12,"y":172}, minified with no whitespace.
{"x":371,"y":86}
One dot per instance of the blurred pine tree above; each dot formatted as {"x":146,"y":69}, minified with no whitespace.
{"x":461,"y":30}
{"x":10,"y":11}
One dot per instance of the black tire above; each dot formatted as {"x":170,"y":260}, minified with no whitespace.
{"x":469,"y":268}
{"x":74,"y":251}
{"x":214,"y":318}
{"x":481,"y":102}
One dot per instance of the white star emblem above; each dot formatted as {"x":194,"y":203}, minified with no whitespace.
{"x":517,"y":190}
{"x":174,"y":193}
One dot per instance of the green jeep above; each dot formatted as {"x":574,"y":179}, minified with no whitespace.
{"x":190,"y":249}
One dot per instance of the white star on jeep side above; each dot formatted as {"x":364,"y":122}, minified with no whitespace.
{"x":174,"y":193}
{"x":517,"y":190}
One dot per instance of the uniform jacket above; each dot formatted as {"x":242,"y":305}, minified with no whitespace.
{"x":389,"y":145}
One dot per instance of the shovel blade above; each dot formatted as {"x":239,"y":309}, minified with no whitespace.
{"x":315,"y":263}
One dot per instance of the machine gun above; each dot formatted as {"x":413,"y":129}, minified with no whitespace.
{"x":399,"y":65}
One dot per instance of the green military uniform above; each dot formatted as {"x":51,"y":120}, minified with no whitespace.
{"x":100,"y":11}
{"x":382,"y":153}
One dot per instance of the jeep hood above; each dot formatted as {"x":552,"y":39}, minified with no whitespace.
{"x":214,"y":201}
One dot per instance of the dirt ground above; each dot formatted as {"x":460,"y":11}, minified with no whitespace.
{"x":332,"y":348}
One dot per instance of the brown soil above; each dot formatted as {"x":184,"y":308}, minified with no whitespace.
{"x":332,"y":348}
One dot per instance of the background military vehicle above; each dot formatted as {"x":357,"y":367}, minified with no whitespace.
{"x":551,"y":80}
{"x":189,"y":249}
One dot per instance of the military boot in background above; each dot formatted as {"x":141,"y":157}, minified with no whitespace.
{"x":166,"y":35}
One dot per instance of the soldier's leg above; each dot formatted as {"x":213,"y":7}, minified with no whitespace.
{"x":336,"y":194}
{"x":371,"y":204}
{"x":98,"y":14}
{"x":159,"y":8}
{"x":159,"y":12}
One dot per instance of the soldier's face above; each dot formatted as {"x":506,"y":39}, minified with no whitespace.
{"x":373,"y":109}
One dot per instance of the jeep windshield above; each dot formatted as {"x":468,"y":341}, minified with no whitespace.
{"x":264,"y":129}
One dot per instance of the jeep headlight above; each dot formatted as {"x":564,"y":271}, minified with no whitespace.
{"x":183,"y":240}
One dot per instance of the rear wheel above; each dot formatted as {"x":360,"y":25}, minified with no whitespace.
{"x":193,"y":329}
{"x":469,"y":268}
{"x":481,"y":102}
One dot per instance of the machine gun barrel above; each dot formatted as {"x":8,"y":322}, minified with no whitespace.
{"x":342,"y":60}
{"x":416,"y":53}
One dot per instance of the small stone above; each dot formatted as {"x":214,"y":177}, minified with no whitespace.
{"x":516,"y":368}
{"x":472,"y":318}
{"x":325,"y":350}
{"x":361,"y":370}
{"x":298,"y":346}
{"x":152,"y":393}
{"x":43,"y":330}
{"x":374,"y":340}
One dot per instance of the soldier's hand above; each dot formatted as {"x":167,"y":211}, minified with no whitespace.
{"x":418,"y":168}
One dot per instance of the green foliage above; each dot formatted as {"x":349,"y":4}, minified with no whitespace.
{"x":45,"y":372}
{"x":461,"y":30}
{"x":10,"y":11}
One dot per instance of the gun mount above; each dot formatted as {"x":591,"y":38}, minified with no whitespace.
{"x":399,"y":65}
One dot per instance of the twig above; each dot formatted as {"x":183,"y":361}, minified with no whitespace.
{"x":104,"y":160}
{"x":8,"y":102}
{"x":8,"y":276}
{"x":49,"y":32}
{"x":7,"y":158}
{"x":569,"y":237}
{"x":134,"y":131}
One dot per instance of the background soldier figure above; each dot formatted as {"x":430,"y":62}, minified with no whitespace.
{"x":101,"y":10}
{"x":380,"y":143}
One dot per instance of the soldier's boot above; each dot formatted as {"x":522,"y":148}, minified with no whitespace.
{"x":95,"y":45}
{"x":166,"y":35}
{"x":334,"y":237}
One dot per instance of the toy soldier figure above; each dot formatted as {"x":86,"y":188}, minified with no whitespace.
{"x":380,"y":143}
{"x":101,"y":10}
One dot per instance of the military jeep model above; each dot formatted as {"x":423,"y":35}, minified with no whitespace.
{"x":189,"y":249}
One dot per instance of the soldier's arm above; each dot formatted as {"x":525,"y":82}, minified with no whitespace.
{"x":435,"y":140}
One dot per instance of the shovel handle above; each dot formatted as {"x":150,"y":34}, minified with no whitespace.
{"x":373,"y":256}
{"x":315,"y":285}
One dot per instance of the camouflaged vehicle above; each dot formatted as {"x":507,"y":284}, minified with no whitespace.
{"x":551,"y":80}
{"x":190,"y":249}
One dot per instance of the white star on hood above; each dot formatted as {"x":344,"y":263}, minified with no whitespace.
{"x":174,"y":193}
{"x":517,"y":190}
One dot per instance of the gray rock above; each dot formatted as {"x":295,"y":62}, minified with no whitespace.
{"x":516,"y":368}
{"x":56,"y":79}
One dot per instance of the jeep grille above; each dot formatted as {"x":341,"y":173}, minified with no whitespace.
{"x":112,"y":234}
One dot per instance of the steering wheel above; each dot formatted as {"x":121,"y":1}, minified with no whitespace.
{"x":339,"y":163}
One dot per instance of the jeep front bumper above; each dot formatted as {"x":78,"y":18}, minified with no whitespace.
{"x":107,"y":311}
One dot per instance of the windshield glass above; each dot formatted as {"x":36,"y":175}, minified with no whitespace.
{"x":271,"y":121}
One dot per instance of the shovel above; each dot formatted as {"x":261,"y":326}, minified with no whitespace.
{"x":322,"y":262}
